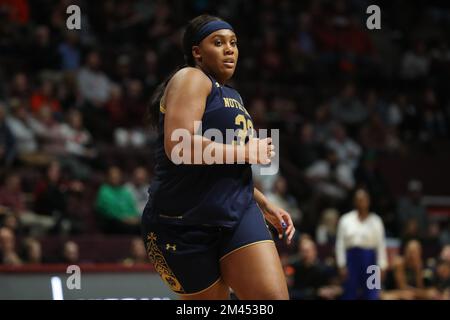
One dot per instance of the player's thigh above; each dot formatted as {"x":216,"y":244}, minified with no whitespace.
{"x":218,"y":291}
{"x":255,"y":272}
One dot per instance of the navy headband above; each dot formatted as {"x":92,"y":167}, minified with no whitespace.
{"x":209,"y":28}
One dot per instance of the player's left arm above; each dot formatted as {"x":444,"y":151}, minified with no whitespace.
{"x":277,"y":216}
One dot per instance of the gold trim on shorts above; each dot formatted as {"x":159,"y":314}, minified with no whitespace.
{"x":246,"y":245}
{"x":203,"y":290}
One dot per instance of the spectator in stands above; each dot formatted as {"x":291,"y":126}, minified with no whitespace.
{"x":330,"y":178}
{"x":347,"y":150}
{"x":95,"y":88}
{"x":122,"y":73}
{"x":17,"y":12}
{"x":431,"y":239}
{"x":8,"y":254}
{"x":9,"y":220}
{"x":270,"y":59}
{"x":434,"y":119}
{"x":303,"y":49}
{"x":94,"y":84}
{"x":375,"y":104}
{"x":150,"y":73}
{"x":312,"y":279}
{"x":69,"y":51}
{"x":280,"y":196}
{"x":138,"y":255}
{"x":116,"y":206}
{"x":327,"y":228}
{"x":51,"y":193}
{"x":26,"y":139}
{"x":305,"y":151}
{"x":79,"y":147}
{"x":138,"y":187}
{"x":131,"y":108}
{"x":323,"y":123}
{"x":412,"y":208}
{"x":410,"y":117}
{"x":32,"y":251}
{"x":360,"y":243}
{"x":129,"y":138}
{"x":49,"y":131}
{"x":348,"y":109}
{"x":369,"y":174}
{"x":409,"y":270}
{"x":43,"y":54}
{"x":286,"y":113}
{"x":7,"y":140}
{"x":374,"y":135}
{"x":441,"y":282}
{"x":258,"y":112}
{"x":20,"y":88}
{"x":116,"y":108}
{"x":265,"y":182}
{"x":70,"y":253}
{"x":78,"y":139}
{"x":13,"y":197}
{"x":445,"y":253}
{"x":415,"y":62}
{"x":45,"y":96}
{"x":48,"y":196}
{"x":411,"y":231}
{"x":68,"y":93}
{"x":395,"y":111}
{"x":135,"y":103}
{"x":444,"y":237}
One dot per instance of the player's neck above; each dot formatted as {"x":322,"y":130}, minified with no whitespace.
{"x":212,"y":74}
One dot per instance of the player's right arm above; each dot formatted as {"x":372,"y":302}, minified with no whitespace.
{"x":184,"y":101}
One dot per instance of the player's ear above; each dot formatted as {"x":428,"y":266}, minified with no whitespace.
{"x":196,"y":53}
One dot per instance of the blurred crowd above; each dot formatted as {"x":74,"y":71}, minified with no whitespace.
{"x":76,"y":153}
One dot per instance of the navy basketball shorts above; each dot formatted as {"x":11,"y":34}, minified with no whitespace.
{"x":188,"y":257}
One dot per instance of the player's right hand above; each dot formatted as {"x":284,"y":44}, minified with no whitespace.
{"x":259,"y":151}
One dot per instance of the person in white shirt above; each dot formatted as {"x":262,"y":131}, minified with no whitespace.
{"x":93,"y":84}
{"x":360,"y":243}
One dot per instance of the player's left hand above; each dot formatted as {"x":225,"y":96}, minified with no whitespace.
{"x":281,"y":220}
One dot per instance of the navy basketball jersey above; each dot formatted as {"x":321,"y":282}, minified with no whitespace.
{"x":214,"y":194}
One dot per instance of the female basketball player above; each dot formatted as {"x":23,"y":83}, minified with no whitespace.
{"x":203,"y":225}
